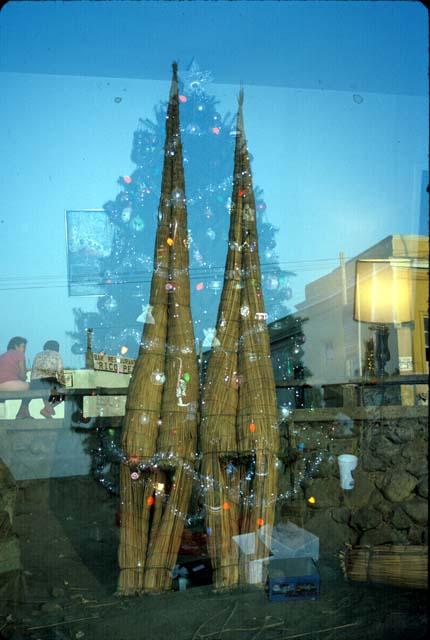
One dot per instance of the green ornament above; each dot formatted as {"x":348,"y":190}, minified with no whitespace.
{"x":111,"y":432}
{"x":186,"y":377}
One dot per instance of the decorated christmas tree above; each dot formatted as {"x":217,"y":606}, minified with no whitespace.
{"x":208,"y":142}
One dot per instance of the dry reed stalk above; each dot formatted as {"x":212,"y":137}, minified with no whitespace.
{"x":163,"y":553}
{"x":218,"y":426}
{"x":161,"y":417}
{"x":258,"y":508}
{"x":135,"y":517}
{"x":158,"y":496}
{"x":239,"y":385}
{"x":398,"y":565}
{"x":140,"y":429}
{"x":177,"y":434}
{"x":222,"y":514}
{"x":257,"y":419}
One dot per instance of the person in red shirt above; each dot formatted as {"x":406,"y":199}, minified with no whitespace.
{"x":13,"y":371}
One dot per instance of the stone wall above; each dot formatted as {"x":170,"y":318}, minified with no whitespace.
{"x":388,"y":503}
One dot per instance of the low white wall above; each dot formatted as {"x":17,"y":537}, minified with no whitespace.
{"x":47,"y":449}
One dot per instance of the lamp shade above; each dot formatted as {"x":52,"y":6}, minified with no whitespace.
{"x":383,"y":291}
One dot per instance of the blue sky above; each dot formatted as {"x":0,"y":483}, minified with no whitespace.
{"x":336,"y":113}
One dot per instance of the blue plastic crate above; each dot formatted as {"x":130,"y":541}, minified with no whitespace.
{"x":293,"y":579}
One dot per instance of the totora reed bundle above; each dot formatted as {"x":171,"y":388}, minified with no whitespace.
{"x":160,"y":426}
{"x":398,"y":565}
{"x":239,"y":426}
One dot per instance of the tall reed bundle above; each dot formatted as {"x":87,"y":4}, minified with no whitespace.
{"x":218,"y":437}
{"x":397,"y":565}
{"x":239,"y":411}
{"x":222,"y":518}
{"x":161,"y":411}
{"x":257,"y":419}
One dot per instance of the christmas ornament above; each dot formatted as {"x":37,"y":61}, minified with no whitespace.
{"x":126,"y":214}
{"x":210,"y":340}
{"x":183,"y":99}
{"x":215,"y":130}
{"x":137,"y":223}
{"x":193,"y":129}
{"x":200,"y":286}
{"x":215,"y":285}
{"x":195,"y":80}
{"x":272,"y":282}
{"x":146,"y":316}
{"x":127,"y":179}
{"x":248,"y":214}
{"x":158,"y":377}
{"x":170,"y":242}
{"x":211,"y":234}
{"x":181,"y":386}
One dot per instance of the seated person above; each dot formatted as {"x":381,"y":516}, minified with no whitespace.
{"x":46,"y":373}
{"x":13,"y":371}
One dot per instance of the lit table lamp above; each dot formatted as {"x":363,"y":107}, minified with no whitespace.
{"x":383,"y":296}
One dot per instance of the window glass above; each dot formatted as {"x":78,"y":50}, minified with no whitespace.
{"x":214,"y":336}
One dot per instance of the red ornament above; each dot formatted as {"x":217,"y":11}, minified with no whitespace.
{"x":260,"y":522}
{"x":150,"y":501}
{"x":215,"y":130}
{"x":252,"y":427}
{"x":200,"y":286}
{"x":127,"y":179}
{"x":183,"y":98}
{"x":242,"y":192}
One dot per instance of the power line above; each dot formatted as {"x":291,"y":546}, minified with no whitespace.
{"x":195,"y":273}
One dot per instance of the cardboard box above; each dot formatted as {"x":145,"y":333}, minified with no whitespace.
{"x":255,"y":569}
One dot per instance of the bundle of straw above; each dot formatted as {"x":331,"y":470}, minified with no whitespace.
{"x":239,"y":411}
{"x":397,"y":565}
{"x":161,"y":411}
{"x":257,"y":418}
